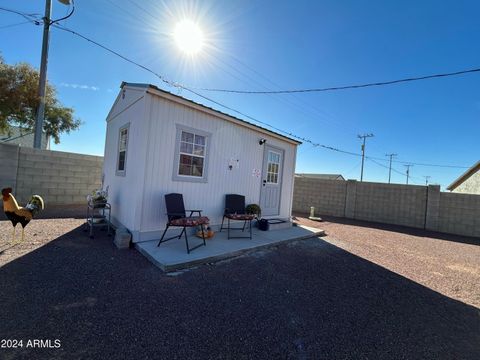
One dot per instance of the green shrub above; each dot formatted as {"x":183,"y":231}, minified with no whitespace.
{"x":253,"y":209}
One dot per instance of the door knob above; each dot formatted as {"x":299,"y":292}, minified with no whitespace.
{"x":264,"y":182}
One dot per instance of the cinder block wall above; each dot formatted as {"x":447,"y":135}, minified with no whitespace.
{"x":61,"y":178}
{"x":407,"y":205}
{"x":327,"y":196}
{"x":459,"y":214}
{"x":8,"y":165}
{"x":391,"y":203}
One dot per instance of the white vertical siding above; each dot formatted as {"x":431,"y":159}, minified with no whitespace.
{"x":125,"y":191}
{"x":228,"y":141}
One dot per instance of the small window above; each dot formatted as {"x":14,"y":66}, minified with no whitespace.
{"x":191,"y":155}
{"x":273,"y":167}
{"x":122,"y":150}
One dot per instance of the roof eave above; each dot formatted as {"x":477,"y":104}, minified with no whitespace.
{"x":155,"y":90}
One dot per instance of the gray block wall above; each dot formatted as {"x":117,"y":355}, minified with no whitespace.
{"x":61,"y":178}
{"x":391,"y":204}
{"x":459,"y":214}
{"x":407,"y":205}
{"x":327,"y":196}
{"x":8,"y":165}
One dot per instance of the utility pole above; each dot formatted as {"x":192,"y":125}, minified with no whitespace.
{"x":364,"y":137}
{"x":390,"y":167}
{"x":47,"y":21}
{"x":408,"y":171}
{"x":37,"y":139}
{"x":426,"y":180}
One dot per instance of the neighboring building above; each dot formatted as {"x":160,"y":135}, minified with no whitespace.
{"x":159,"y":143}
{"x":322,"y":176}
{"x":469,"y":182}
{"x":23,"y":137}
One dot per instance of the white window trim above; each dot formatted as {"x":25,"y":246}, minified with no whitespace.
{"x":176,"y":162}
{"x":124,"y":171}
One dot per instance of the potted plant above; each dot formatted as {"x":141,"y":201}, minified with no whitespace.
{"x":98,"y":198}
{"x":254,"y":209}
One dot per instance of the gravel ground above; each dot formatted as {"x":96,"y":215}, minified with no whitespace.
{"x":305,"y":300}
{"x":445,"y":263}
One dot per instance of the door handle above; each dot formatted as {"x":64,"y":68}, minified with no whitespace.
{"x":264,"y":182}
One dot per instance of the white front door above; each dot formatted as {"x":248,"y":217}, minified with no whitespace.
{"x":271,"y":191}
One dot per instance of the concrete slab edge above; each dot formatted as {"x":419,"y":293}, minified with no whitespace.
{"x":216,"y":258}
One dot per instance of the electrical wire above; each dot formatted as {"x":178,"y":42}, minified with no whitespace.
{"x":180,"y":86}
{"x":15,"y":24}
{"x":30,"y":17}
{"x":424,"y":164}
{"x":65,"y":17}
{"x":33,"y":18}
{"x":396,"y":171}
{"x":346,"y":87}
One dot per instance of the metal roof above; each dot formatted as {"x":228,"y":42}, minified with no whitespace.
{"x":156,"y":88}
{"x":321,"y":176}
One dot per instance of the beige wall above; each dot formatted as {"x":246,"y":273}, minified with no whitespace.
{"x":469,"y":186}
{"x":407,"y":205}
{"x":61,"y":178}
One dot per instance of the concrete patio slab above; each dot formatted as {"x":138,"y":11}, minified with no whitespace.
{"x":172,"y":255}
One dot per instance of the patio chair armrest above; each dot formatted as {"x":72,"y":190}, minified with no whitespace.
{"x":195,"y":211}
{"x":175,"y":214}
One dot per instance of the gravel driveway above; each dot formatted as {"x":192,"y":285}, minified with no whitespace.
{"x":305,"y":300}
{"x":448,"y":264}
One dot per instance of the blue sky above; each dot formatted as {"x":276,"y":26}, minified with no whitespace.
{"x":258,"y":45}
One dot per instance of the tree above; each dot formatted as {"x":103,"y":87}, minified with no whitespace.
{"x":19,"y":101}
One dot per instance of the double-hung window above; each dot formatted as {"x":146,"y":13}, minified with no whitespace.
{"x":122,"y":150}
{"x":191,"y":155}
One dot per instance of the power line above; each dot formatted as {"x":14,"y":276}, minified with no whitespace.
{"x":177,"y":85}
{"x":429,"y":165}
{"x":30,"y":17}
{"x":180,"y":86}
{"x":346,"y":87}
{"x":15,"y":24}
{"x":394,"y":170}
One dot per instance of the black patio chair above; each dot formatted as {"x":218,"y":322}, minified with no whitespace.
{"x":177,"y":217}
{"x":235,"y":210}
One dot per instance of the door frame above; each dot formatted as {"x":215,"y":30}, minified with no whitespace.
{"x":280,"y":174}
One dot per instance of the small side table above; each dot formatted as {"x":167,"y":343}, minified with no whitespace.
{"x":98,"y":215}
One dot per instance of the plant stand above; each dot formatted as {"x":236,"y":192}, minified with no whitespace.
{"x":98,"y":215}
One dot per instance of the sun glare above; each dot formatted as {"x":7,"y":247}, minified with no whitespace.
{"x":188,"y":37}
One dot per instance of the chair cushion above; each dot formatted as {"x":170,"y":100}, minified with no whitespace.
{"x":240,"y":216}
{"x":190,"y":221}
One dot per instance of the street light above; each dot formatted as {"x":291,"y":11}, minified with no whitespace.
{"x":37,"y":139}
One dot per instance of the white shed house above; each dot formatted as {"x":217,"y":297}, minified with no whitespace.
{"x":159,"y":143}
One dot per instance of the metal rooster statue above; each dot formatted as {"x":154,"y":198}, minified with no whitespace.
{"x":17,"y":214}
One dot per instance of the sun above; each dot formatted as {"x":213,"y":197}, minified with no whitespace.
{"x":188,"y":37}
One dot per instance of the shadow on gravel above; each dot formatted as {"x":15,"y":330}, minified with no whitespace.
{"x":307,"y":300}
{"x":398,"y":228}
